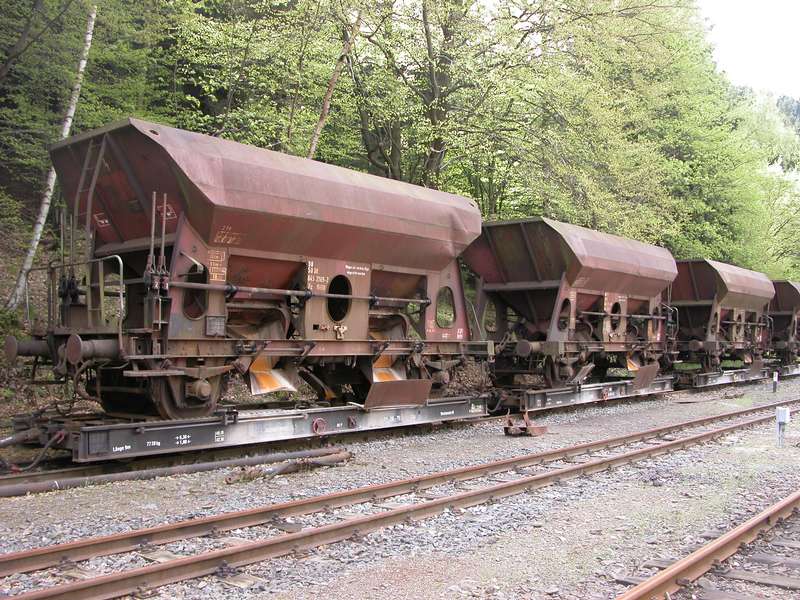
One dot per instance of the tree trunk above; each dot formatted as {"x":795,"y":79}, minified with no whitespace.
{"x":47,"y":196}
{"x":337,"y":70}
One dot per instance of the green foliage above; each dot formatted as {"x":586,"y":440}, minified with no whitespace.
{"x":606,"y":113}
{"x":16,"y":231}
{"x":9,"y":323}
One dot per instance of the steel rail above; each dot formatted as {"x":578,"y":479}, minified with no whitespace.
{"x":40,"y":558}
{"x":116,"y":584}
{"x":691,"y":567}
{"x":94,"y":474}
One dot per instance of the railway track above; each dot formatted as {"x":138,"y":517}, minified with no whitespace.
{"x":20,"y":484}
{"x":710,"y":559}
{"x":330,"y":518}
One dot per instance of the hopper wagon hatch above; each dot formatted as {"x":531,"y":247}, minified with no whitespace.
{"x":722,"y":313}
{"x":204,"y":256}
{"x":565,"y":302}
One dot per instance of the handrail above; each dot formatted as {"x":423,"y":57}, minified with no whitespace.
{"x":52,"y":266}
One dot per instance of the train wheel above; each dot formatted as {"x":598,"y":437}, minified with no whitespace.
{"x":168,"y":408}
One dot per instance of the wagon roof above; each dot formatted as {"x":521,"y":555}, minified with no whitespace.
{"x":787,"y":296}
{"x":743,"y":282}
{"x":539,"y":251}
{"x":792,"y":287}
{"x":378,"y":219}
{"x":607,"y":252}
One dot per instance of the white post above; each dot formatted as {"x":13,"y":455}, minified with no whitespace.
{"x":782,"y":418}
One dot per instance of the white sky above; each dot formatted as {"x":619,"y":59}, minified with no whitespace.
{"x":757,"y":42}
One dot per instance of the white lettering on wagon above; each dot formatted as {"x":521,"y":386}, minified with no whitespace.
{"x":170,"y":211}
{"x":446,"y":413}
{"x":357,"y":270}
{"x":226,"y":235}
{"x":217,"y":269}
{"x":121,"y":448}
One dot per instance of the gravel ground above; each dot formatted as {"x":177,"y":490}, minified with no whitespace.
{"x":747,"y":559}
{"x":566,"y":541}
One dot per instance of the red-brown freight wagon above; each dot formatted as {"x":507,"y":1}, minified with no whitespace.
{"x":567,"y":303}
{"x":721,"y":313}
{"x":206,"y":256}
{"x":784,"y":310}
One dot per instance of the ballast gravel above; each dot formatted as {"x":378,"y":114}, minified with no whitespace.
{"x":571,"y":540}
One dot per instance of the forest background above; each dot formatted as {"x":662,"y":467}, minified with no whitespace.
{"x":606,"y":113}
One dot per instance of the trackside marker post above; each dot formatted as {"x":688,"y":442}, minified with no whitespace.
{"x":782,"y":418}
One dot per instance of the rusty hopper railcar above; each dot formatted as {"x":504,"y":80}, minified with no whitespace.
{"x":207,"y":256}
{"x":569,"y":302}
{"x":721,"y":313}
{"x":784,"y":310}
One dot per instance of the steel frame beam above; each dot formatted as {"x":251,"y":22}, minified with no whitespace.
{"x":538,"y":400}
{"x":113,"y":441}
{"x":701,"y":380}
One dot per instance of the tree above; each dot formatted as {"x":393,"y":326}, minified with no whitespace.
{"x":44,"y":208}
{"x":350,"y":34}
{"x":28,"y":37}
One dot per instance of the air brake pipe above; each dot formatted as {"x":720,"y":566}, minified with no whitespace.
{"x":21,"y":489}
{"x":231,"y":289}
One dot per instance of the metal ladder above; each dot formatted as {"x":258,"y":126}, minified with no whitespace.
{"x":91,"y":162}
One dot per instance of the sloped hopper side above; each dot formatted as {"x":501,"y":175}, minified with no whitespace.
{"x":700,"y":281}
{"x":523,"y":262}
{"x":783,"y":308}
{"x":267,"y":201}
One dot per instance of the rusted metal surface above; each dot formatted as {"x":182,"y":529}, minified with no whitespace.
{"x":702,"y":560}
{"x":411,"y":392}
{"x":242,"y":196}
{"x":202,"y":564}
{"x":71,"y":480}
{"x":231,"y":256}
{"x":784,"y":310}
{"x":303,"y":269}
{"x":787,"y":297}
{"x":721,"y":312}
{"x":583,"y":299}
{"x":514,"y":254}
{"x":40,"y":558}
{"x":742,"y":287}
{"x":733,"y":287}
